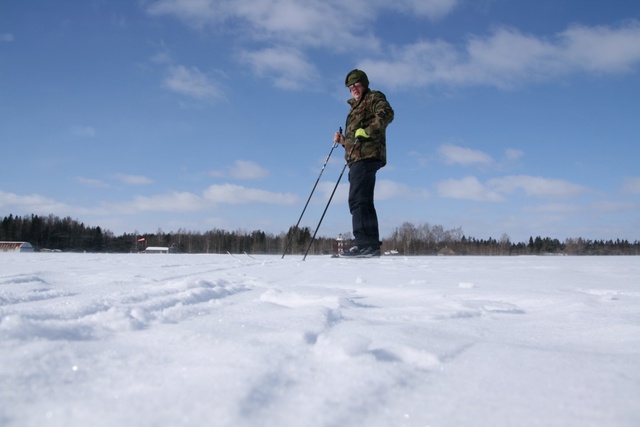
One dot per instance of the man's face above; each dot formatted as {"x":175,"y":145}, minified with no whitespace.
{"x":356,"y":90}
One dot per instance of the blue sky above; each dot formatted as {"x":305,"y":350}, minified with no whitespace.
{"x":512,"y":117}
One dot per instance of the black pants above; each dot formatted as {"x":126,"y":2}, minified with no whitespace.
{"x":362,"y":182}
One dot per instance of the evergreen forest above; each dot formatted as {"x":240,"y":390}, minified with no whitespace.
{"x":51,"y":233}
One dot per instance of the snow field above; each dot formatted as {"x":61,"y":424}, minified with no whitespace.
{"x":194,"y":340}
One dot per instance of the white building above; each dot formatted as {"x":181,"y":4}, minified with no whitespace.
{"x":156,"y":250}
{"x":16,"y":247}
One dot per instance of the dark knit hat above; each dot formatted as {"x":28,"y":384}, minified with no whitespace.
{"x":356,"y":76}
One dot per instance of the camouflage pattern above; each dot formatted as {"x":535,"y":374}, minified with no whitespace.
{"x":355,"y":76}
{"x":373,"y":113}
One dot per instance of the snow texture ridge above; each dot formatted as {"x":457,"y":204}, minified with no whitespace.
{"x":217,"y":340}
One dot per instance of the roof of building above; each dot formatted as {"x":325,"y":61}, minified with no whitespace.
{"x":13,"y":246}
{"x":157,"y":249}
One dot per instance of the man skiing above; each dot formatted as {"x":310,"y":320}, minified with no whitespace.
{"x":365,"y":146}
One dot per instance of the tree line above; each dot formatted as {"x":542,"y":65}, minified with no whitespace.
{"x":70,"y":235}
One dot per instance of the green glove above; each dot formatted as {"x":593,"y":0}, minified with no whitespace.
{"x":360,"y":133}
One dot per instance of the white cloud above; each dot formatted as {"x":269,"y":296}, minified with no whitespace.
{"x":325,"y":188}
{"x":614,"y":206}
{"x":286,"y":67}
{"x":420,"y":158}
{"x":6,"y":37}
{"x":310,"y":23}
{"x":387,"y":189}
{"x":197,"y":13}
{"x":496,"y":190}
{"x":554,"y":208}
{"x":290,"y":22}
{"x":302,"y":17}
{"x":468,"y":188}
{"x":508,"y":57}
{"x":287,"y":26}
{"x":192,"y":82}
{"x":162,"y":57}
{"x":90,"y":182}
{"x":211,"y":196}
{"x":432,"y":9}
{"x":513,"y":154}
{"x":236,"y":194}
{"x":602,"y":49}
{"x":217,"y":173}
{"x":453,"y":154}
{"x":243,"y":169}
{"x":631,"y":185}
{"x":33,"y":203}
{"x":503,"y":58}
{"x":133,"y":179}
{"x":170,"y":202}
{"x":537,"y":186}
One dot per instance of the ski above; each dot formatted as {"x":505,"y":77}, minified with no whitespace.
{"x":355,"y":256}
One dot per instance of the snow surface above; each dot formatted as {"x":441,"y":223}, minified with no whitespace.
{"x":217,"y":340}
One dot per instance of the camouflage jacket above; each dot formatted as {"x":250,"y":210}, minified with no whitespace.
{"x":373,"y":113}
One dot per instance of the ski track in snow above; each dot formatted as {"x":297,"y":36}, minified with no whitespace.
{"x":171,"y":340}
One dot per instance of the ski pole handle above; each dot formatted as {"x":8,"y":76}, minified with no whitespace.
{"x":335,"y":143}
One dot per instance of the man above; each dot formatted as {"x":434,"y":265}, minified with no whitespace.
{"x":365,"y":152}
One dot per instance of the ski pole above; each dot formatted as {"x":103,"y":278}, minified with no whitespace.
{"x":335,"y":144}
{"x":330,"y":198}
